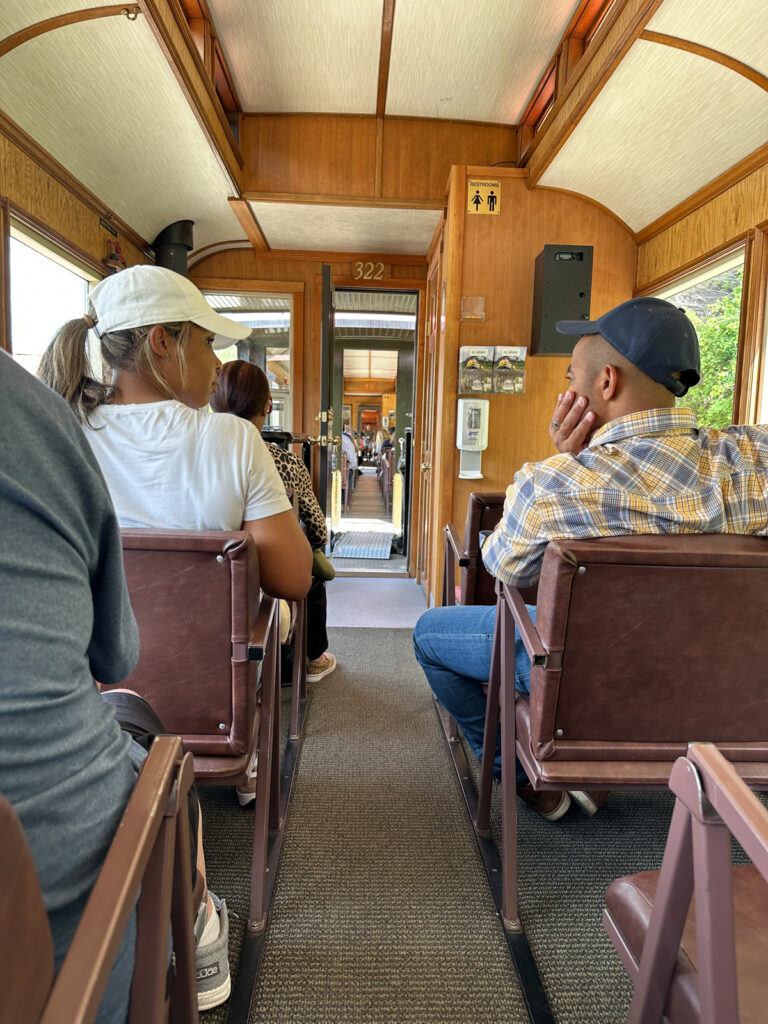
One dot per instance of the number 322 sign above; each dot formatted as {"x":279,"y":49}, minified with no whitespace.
{"x":368,"y":271}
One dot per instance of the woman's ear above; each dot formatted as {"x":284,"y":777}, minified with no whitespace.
{"x":158,"y":341}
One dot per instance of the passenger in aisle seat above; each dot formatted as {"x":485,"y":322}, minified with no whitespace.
{"x":629,"y":462}
{"x":168,"y":462}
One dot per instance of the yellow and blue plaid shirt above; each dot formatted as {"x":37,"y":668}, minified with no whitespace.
{"x":649,"y":472}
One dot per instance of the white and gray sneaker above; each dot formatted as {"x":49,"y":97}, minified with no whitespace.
{"x":212,"y":958}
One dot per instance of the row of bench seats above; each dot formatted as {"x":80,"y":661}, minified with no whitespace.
{"x":210,"y":667}
{"x":641,"y":645}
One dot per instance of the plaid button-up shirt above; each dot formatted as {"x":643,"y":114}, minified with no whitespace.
{"x":649,"y":472}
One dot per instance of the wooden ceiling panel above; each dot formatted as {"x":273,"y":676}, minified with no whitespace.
{"x":307,"y":55}
{"x":738,"y":28}
{"x":477,"y":62}
{"x":666,"y":124}
{"x":138,"y":145}
{"x":346,"y":228}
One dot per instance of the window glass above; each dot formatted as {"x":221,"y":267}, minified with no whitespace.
{"x":45,"y":293}
{"x":712,"y":299}
{"x":269,"y":344}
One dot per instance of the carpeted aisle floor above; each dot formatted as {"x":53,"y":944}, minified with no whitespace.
{"x":381,"y":912}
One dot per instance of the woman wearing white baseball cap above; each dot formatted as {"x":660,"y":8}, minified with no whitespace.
{"x":169,"y":463}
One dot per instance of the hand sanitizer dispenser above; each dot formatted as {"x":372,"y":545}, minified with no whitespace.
{"x":471,"y":436}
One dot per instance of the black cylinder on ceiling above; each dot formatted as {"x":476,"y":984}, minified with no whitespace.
{"x":172,"y":245}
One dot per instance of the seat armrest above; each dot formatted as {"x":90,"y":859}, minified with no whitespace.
{"x":257,"y":642}
{"x":525,"y":625}
{"x":453,"y":540}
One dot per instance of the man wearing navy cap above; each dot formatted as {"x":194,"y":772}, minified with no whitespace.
{"x":629,"y":462}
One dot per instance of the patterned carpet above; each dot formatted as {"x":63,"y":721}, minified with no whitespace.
{"x":381,"y":913}
{"x":367,"y":544}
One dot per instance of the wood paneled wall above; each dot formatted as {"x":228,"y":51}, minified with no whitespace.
{"x":710,"y":228}
{"x":494,"y":257}
{"x":340,"y":155}
{"x":51,"y":197}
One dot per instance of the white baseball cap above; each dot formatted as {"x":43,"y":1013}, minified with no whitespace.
{"x":144,"y":295}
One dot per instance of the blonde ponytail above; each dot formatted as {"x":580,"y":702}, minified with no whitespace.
{"x":66,"y":368}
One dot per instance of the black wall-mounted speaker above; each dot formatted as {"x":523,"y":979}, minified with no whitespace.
{"x":561,"y":291}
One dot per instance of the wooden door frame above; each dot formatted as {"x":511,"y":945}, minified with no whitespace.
{"x":403,"y":285}
{"x":423,"y":572}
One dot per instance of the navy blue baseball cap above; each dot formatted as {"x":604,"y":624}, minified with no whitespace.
{"x":653,"y":334}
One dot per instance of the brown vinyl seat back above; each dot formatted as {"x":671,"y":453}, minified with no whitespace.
{"x":653,"y":642}
{"x":484,"y":511}
{"x":195,"y":595}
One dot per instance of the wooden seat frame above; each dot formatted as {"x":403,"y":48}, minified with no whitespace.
{"x":150,"y":852}
{"x":712,"y":804}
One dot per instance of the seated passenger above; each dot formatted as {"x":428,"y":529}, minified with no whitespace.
{"x":389,"y":440}
{"x":167,"y":461}
{"x":244,"y":391}
{"x":629,"y":462}
{"x":349,"y":448}
{"x":66,"y":765}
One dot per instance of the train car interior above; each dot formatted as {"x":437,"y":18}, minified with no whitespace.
{"x":400,"y":199}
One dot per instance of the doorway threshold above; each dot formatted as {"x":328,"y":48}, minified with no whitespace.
{"x":395,"y":565}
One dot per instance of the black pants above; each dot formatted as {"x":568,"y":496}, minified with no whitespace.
{"x":137,"y":717}
{"x":317,"y":635}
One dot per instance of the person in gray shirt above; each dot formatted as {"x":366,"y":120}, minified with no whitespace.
{"x":65,"y":619}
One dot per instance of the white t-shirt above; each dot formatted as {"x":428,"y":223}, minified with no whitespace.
{"x":169,"y":466}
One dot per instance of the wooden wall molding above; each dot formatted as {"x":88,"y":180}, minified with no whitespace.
{"x":698,"y":262}
{"x":246,"y":284}
{"x":5,"y":275}
{"x":163,"y":16}
{"x":592,"y":74}
{"x":709,"y":54}
{"x":332,"y":200}
{"x":59,"y":173}
{"x":47,"y":233}
{"x":316,"y":256}
{"x":709,"y":192}
{"x":213,"y":247}
{"x":751,"y":362}
{"x":242,"y":210}
{"x":40,"y":28}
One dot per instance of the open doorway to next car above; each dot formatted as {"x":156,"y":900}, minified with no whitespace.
{"x":374,"y":343}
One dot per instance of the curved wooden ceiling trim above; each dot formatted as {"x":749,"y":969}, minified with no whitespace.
{"x":591,"y":201}
{"x":39,"y":28}
{"x":709,"y":54}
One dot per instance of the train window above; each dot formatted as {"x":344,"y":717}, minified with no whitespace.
{"x":269,"y":345}
{"x":39,"y":271}
{"x":712,"y":299}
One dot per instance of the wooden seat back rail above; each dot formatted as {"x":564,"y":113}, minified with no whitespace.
{"x":150,"y":852}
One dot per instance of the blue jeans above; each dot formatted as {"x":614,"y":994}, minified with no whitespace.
{"x":454,"y":646}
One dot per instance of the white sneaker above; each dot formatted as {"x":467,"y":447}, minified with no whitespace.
{"x":212,"y":959}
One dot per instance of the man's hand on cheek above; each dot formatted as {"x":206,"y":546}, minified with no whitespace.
{"x":572,"y":424}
